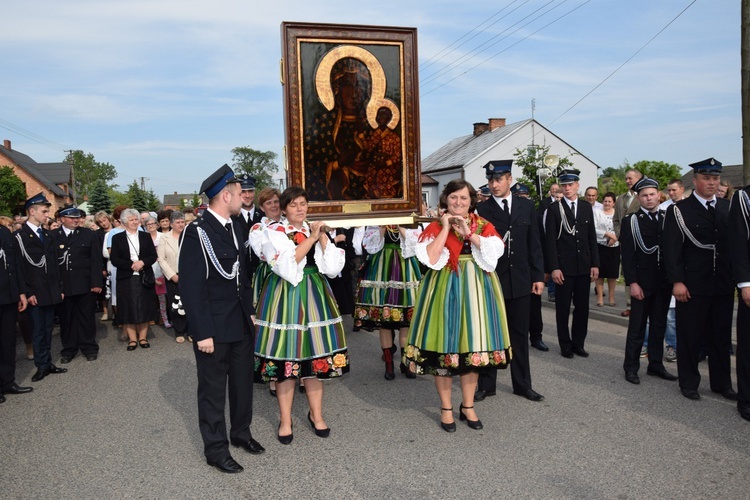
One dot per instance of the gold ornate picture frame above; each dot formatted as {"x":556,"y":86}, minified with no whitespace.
{"x":352,"y":119}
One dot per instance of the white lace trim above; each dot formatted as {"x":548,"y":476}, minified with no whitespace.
{"x":490,"y":249}
{"x":297,"y":326}
{"x":400,"y":285}
{"x":421,"y":252}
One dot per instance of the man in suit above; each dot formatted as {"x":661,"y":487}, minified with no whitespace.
{"x":217,"y":297}
{"x":36,"y":251}
{"x":249,"y":214}
{"x":651,"y":292}
{"x":549,"y":199}
{"x":520,"y":270}
{"x":12,"y":301}
{"x":739,"y":253}
{"x":696,"y":256}
{"x":81,"y":271}
{"x":626,"y":203}
{"x":554,"y":191}
{"x":572,"y":261}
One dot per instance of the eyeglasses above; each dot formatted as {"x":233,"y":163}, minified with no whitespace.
{"x":151,"y":223}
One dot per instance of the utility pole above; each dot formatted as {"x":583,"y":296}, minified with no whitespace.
{"x":745,"y":89}
{"x":143,"y":183}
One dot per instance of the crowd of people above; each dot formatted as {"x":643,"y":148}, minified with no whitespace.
{"x":260,"y":291}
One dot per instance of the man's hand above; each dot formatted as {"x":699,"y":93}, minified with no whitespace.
{"x":636,"y":291}
{"x":557,"y":277}
{"x":745,"y":294}
{"x":680,"y":292}
{"x":32,"y":300}
{"x":96,"y":289}
{"x":594,"y":273}
{"x":22,"y":303}
{"x":537,"y":287}
{"x":206,"y":345}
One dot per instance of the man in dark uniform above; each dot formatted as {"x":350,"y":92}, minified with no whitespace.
{"x":696,"y":255}
{"x":36,"y":251}
{"x":249,"y":214}
{"x":81,"y":271}
{"x":572,"y":261}
{"x":645,"y":274}
{"x":12,"y":301}
{"x":739,"y":252}
{"x":217,"y":297}
{"x":520,"y":270}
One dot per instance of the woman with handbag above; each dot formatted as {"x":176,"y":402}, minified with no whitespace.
{"x":133,"y":253}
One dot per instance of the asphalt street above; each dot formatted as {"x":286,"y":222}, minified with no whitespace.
{"x":125,"y":426}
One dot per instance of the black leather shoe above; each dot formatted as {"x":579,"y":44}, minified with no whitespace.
{"x":473,"y":424}
{"x":580,"y":351}
{"x":481,"y":394}
{"x":632,"y":377}
{"x":661,"y":374}
{"x":286,"y":439}
{"x":406,"y":372}
{"x":226,"y":464}
{"x":17,"y":389}
{"x":539,"y":344}
{"x":65,"y":361}
{"x":744,"y":413}
{"x":529,"y":394}
{"x":450,"y":427}
{"x":2,"y":400}
{"x":54,"y":369}
{"x":91,"y":357}
{"x":690,"y":394}
{"x":565,"y":353}
{"x":40,"y":374}
{"x":250,"y":446}
{"x":728,"y":394}
{"x":323,"y":433}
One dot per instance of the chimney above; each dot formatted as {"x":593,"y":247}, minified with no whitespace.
{"x":480,"y":128}
{"x":6,"y":143}
{"x":496,"y":123}
{"x":175,"y":193}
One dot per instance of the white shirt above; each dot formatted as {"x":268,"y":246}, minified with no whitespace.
{"x":500,"y":201}
{"x":224,"y":222}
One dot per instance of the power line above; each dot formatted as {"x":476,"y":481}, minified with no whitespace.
{"x":623,"y":64}
{"x":435,"y":58}
{"x":514,"y":44}
{"x":32,"y":136}
{"x":473,"y":53}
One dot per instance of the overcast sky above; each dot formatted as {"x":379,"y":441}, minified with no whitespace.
{"x":165,"y":89}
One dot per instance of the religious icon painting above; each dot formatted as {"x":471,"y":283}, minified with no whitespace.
{"x":352,"y":118}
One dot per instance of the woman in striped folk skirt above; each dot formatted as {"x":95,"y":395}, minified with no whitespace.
{"x":268,"y":201}
{"x":459,"y":325}
{"x":299,"y":330}
{"x":387,"y":288}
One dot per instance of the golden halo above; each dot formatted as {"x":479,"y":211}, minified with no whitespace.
{"x":377,"y":76}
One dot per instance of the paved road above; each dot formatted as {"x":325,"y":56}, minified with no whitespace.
{"x":125,"y":426}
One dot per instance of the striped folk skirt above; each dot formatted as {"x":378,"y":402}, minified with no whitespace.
{"x":459,"y":323}
{"x":259,"y":279}
{"x":387,"y":290}
{"x":299,"y":330}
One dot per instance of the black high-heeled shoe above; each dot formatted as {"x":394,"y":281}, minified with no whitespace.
{"x":272,"y":392}
{"x":324,"y":433}
{"x":451,"y":427}
{"x":406,"y":372}
{"x":302,"y":389}
{"x":474,"y":424}
{"x":288,"y":438}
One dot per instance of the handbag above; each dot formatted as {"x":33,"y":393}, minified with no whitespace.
{"x":148,"y":280}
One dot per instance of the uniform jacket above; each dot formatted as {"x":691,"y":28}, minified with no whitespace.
{"x":693,"y":266}
{"x":216,"y":307}
{"x":648,"y":270}
{"x":119,"y":255}
{"x":11,"y":272}
{"x":80,"y":260}
{"x":739,"y":250}
{"x":43,"y":282}
{"x":574,"y":254}
{"x":240,"y":220}
{"x":521,"y":264}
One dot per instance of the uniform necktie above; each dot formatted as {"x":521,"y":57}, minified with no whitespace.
{"x":228,"y":226}
{"x":711,"y":209}
{"x":652,"y":215}
{"x":505,"y":207}
{"x":39,"y":233}
{"x":573,"y":209}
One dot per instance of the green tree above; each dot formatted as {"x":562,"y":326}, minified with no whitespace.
{"x":152,"y":201}
{"x":258,"y":164}
{"x":13,"y":191}
{"x":119,"y":198}
{"x":86,"y":171}
{"x":137,"y":197}
{"x":530,"y":160}
{"x":99,"y":198}
{"x":196,"y":201}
